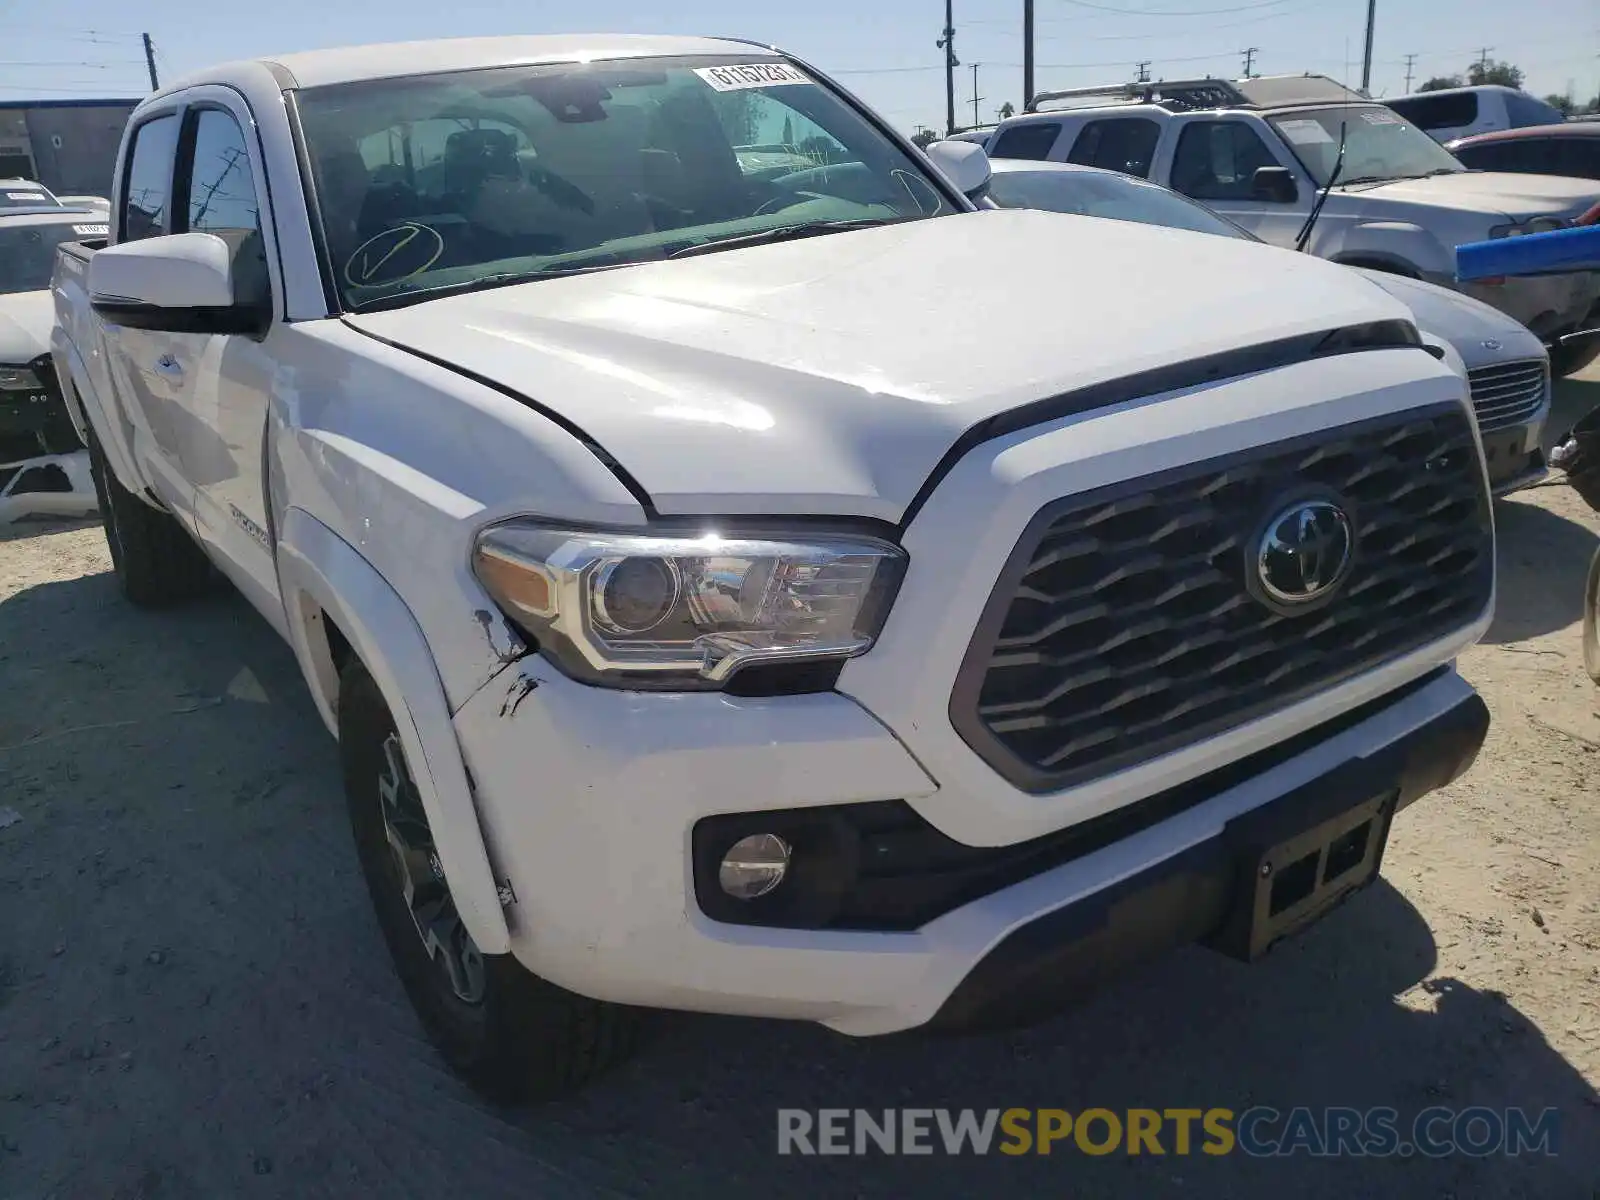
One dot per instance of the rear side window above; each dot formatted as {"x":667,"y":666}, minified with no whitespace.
{"x":1032,"y":141}
{"x":1524,"y":110}
{"x":1217,"y":160}
{"x":1127,"y":144}
{"x":1524,"y":154}
{"x":1578,"y":157}
{"x":147,"y":197}
{"x":1439,"y":112}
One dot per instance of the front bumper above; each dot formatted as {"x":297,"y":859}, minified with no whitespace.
{"x":1514,"y":457}
{"x":589,"y":799}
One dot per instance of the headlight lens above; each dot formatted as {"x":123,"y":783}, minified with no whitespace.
{"x":686,"y":610}
{"x":19,"y":379}
{"x":1531,"y":225}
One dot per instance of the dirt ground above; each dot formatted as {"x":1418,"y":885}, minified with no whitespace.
{"x":194,"y":1000}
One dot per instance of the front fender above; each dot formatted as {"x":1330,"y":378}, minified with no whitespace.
{"x":319,"y":572}
{"x":1396,"y":245}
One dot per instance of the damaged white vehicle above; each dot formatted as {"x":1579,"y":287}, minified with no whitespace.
{"x":44,"y":469}
{"x":716,"y":609}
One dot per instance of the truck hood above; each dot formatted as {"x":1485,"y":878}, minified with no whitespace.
{"x":1496,"y":192}
{"x":1481,"y":335}
{"x":25,"y":321}
{"x":831,"y":374}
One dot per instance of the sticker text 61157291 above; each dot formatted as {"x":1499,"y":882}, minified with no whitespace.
{"x":751,"y":75}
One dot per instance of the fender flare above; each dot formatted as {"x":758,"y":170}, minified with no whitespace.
{"x":318,"y":571}
{"x":93,"y":416}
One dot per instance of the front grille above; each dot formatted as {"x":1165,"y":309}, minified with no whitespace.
{"x":1124,"y":625}
{"x":1508,"y":394}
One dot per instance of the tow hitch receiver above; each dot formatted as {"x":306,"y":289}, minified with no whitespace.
{"x":1286,"y":885}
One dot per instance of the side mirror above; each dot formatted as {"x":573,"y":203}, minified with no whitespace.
{"x":964,"y":164}
{"x":1274,"y":184}
{"x":180,"y":283}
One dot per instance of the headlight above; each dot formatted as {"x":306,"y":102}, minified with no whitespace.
{"x":19,"y":379}
{"x":1531,"y":225}
{"x":688,"y":611}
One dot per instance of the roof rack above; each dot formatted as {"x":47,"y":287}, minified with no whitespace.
{"x":1181,"y":95}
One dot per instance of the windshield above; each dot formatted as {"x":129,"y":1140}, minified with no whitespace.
{"x":482,"y":177}
{"x":1379,"y":144}
{"x":1117,"y":197}
{"x":28,"y":253}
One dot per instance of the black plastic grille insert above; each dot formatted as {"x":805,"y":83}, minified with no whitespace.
{"x":1123,"y":627}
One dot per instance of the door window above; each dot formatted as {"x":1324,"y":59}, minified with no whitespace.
{"x":1448,"y":110}
{"x":147,"y":198}
{"x":1127,"y":144}
{"x":1578,"y":157}
{"x":1032,"y":141}
{"x":221,"y":198}
{"x":1523,"y":154}
{"x":1216,"y":160}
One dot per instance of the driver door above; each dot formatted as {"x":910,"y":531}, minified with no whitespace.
{"x":1215,"y":163}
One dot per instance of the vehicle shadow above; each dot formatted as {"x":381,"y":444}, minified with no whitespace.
{"x":1316,"y":1024}
{"x":1542,"y":560}
{"x":197,"y":1000}
{"x":31,"y":527}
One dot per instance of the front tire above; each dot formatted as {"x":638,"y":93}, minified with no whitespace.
{"x":1591,"y":619}
{"x":157,"y":563}
{"x":512,"y":1036}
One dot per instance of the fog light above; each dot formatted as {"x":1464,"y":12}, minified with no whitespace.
{"x":754,"y":865}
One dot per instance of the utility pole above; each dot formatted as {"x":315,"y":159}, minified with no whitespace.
{"x":948,"y":44}
{"x":1250,"y":53}
{"x":1410,"y":62}
{"x":1027,"y":55}
{"x":1366,"y":59}
{"x":975,"y":96}
{"x":150,"y":61}
{"x":1144,"y":71}
{"x":1483,"y":60}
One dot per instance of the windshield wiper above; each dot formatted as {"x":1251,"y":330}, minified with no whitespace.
{"x":782,"y":233}
{"x":1370,"y":179}
{"x":481,"y":284}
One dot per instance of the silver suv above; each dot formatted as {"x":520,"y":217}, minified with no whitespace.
{"x":1262,"y":151}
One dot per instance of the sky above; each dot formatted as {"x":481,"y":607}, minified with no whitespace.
{"x":885,"y":52}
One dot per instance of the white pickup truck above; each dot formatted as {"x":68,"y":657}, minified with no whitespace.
{"x":798,"y":595}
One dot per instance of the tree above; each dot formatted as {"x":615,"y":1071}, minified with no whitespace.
{"x":1491,"y":71}
{"x":1006,"y":110}
{"x":924,"y":138}
{"x":1564,"y":103}
{"x":1439,"y":82}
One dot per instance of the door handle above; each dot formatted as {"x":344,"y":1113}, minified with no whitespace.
{"x":168,"y":367}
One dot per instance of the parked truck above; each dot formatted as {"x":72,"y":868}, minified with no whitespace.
{"x":715,"y":611}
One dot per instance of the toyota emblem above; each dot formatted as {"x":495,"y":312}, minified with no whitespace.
{"x":1305,"y":552}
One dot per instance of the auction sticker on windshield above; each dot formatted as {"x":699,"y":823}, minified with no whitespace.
{"x":1304,"y":133}
{"x":91,"y":230}
{"x":751,"y":75}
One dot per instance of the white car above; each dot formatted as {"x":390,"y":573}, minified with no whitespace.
{"x":714,"y":611}
{"x":1507,"y":368}
{"x":1450,"y":113}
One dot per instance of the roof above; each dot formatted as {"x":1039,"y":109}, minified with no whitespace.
{"x":1565,"y":129}
{"x":1034,"y":166}
{"x":318,"y":68}
{"x":1457,"y":91}
{"x":1278,"y":91}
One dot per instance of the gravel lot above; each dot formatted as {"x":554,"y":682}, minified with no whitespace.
{"x":194,"y":1000}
